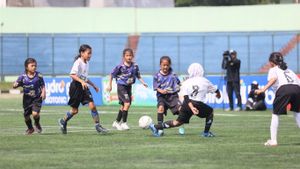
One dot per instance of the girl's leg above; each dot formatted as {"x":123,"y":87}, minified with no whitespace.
{"x":168,"y":124}
{"x":119,"y":117}
{"x":28,"y":123}
{"x":297,"y":118}
{"x":273,"y":130}
{"x":125,"y":112}
{"x":36,"y":117}
{"x":160,"y":114}
{"x":96,"y":118}
{"x":70,"y":114}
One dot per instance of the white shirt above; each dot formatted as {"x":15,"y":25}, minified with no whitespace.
{"x":283,"y":77}
{"x":81,"y":69}
{"x":197,"y":88}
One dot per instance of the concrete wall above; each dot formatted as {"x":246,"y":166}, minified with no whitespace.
{"x":141,"y":20}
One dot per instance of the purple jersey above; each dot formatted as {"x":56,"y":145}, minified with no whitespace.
{"x":31,"y":86}
{"x":169,"y":82}
{"x":126,"y":75}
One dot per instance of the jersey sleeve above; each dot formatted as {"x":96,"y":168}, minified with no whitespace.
{"x":20,"y":80}
{"x":184,"y":88}
{"x":137,"y":71}
{"x":272,"y":74}
{"x":75,"y":68}
{"x":155,"y":82}
{"x":115,"y":71}
{"x":211,"y":87}
{"x":41,"y":79}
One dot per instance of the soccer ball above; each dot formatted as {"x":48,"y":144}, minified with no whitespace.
{"x":145,"y":121}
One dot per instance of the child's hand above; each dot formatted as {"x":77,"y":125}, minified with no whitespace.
{"x":218,"y":95}
{"x":15,"y":85}
{"x":108,"y":89}
{"x":195,"y":110}
{"x":258,"y":91}
{"x":43,"y":95}
{"x":84,"y":85}
{"x":163,"y":91}
{"x":96,"y":88}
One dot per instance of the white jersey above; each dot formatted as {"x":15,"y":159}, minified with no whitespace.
{"x":283,"y":77}
{"x":81,"y":69}
{"x":197,"y":88}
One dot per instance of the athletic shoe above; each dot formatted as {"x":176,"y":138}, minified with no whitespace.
{"x":125,"y":126}
{"x":207,"y":134}
{"x":38,"y":128}
{"x":63,"y":126}
{"x":117,"y":125}
{"x":160,"y":132}
{"x":228,"y":109}
{"x":154,"y":130}
{"x":29,"y":131}
{"x":271,"y":143}
{"x":181,"y":131}
{"x":238,"y":109}
{"x":101,"y":129}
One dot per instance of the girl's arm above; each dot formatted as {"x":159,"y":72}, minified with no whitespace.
{"x":76,"y":78}
{"x":143,"y":82}
{"x":93,"y":85}
{"x":43,"y":94}
{"x":109,"y":83}
{"x":267,"y":86}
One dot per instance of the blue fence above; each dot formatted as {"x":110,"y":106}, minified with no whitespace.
{"x":55,"y":52}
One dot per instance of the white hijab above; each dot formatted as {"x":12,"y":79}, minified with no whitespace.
{"x":195,"y":70}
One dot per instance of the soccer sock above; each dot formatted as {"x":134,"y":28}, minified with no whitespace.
{"x":68,"y":116}
{"x":297,"y":118}
{"x":124,"y":116}
{"x":36,"y":119}
{"x":95,"y":116}
{"x":208,"y":122}
{"x":28,"y":122}
{"x":119,"y":117}
{"x":274,"y":127}
{"x":167,"y":124}
{"x":160,"y":118}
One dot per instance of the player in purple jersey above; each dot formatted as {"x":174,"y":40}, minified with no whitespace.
{"x":34,"y":93}
{"x":125,"y":75}
{"x":167,"y":85}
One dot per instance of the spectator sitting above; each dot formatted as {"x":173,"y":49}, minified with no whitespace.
{"x":255,"y":101}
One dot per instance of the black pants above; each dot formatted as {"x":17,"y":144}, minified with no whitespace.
{"x":234,"y":86}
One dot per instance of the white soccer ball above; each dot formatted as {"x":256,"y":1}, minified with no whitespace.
{"x":145,"y":121}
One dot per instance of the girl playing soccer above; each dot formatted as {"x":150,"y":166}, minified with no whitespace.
{"x":194,"y":90}
{"x":287,"y":87}
{"x":34,"y":93}
{"x":79,"y":90}
{"x":167,"y":85}
{"x":125,"y":75}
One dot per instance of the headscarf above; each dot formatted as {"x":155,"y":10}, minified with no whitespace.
{"x":195,"y":70}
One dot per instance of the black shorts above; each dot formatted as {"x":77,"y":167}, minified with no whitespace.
{"x":31,"y":104}
{"x":78,"y":95}
{"x":169,"y":101}
{"x":284,"y":95}
{"x":186,"y":113}
{"x":124,"y":94}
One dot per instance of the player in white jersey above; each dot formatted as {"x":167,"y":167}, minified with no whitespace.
{"x":194,"y":90}
{"x":79,"y":91}
{"x":287,"y":87}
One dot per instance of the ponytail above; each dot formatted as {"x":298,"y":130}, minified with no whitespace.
{"x":277,"y":59}
{"x":82,"y":48}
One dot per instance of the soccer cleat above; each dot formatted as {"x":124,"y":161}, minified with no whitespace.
{"x":38,"y":128}
{"x":63,"y":126}
{"x":117,"y":125}
{"x":160,"y":132}
{"x":207,"y":134}
{"x":181,"y":131}
{"x":238,"y":109}
{"x":271,"y":143}
{"x":154,"y":130}
{"x":228,"y":109}
{"x":124,"y":126}
{"x":101,"y":129}
{"x":29,"y":131}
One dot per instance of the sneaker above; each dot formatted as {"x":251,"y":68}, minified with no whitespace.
{"x":101,"y":129}
{"x":271,"y":143}
{"x":38,"y":128}
{"x":181,"y":131}
{"x":117,"y":125}
{"x":29,"y":131}
{"x":63,"y":126}
{"x":238,"y":109}
{"x":154,"y":130}
{"x":124,"y":126}
{"x":207,"y":134}
{"x":228,"y":109}
{"x":160,"y":132}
